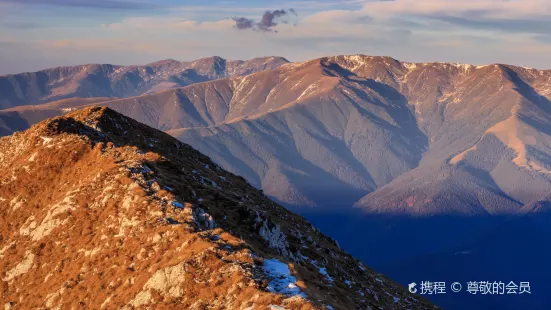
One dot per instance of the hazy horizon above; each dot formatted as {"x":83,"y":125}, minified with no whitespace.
{"x":35,"y":35}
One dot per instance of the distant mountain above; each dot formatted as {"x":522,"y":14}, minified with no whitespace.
{"x":100,"y":211}
{"x":120,"y":81}
{"x":329,"y":131}
{"x":351,"y":126}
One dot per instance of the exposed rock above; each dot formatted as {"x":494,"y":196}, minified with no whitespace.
{"x":275,"y":238}
{"x":22,"y":268}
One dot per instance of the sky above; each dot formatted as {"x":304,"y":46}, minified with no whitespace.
{"x":38,"y":34}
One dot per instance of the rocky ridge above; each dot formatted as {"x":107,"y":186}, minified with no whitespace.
{"x":100,"y":211}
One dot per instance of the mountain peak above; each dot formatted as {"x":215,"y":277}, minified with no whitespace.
{"x":214,"y":59}
{"x":99,"y":118}
{"x":95,"y":122}
{"x":163,"y":62}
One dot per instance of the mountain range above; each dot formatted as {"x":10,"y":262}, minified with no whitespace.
{"x":103,"y":80}
{"x":363,"y":127}
{"x":428,"y":157}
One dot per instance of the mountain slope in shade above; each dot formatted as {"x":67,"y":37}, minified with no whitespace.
{"x":515,"y":250}
{"x":505,"y":167}
{"x":120,"y":81}
{"x":100,"y":211}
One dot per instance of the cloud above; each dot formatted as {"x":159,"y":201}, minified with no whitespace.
{"x":166,"y":25}
{"x":468,"y":31}
{"x":479,"y":8}
{"x":543,"y":38}
{"x":448,"y":17}
{"x":481,"y":14}
{"x":520,"y":25}
{"x":267,"y":23}
{"x":97,"y":4}
{"x":244,"y":23}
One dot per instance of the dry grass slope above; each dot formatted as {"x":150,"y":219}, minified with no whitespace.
{"x":98,"y":211}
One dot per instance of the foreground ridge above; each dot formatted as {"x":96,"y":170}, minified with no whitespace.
{"x":100,"y":211}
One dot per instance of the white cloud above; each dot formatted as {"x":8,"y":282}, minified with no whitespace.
{"x":486,"y":8}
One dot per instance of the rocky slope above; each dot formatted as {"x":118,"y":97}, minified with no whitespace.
{"x":119,"y":81}
{"x":101,"y":212}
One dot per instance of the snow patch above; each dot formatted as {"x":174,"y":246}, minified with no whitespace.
{"x":347,"y":282}
{"x":323,"y":271}
{"x":281,"y":280}
{"x":177,"y":205}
